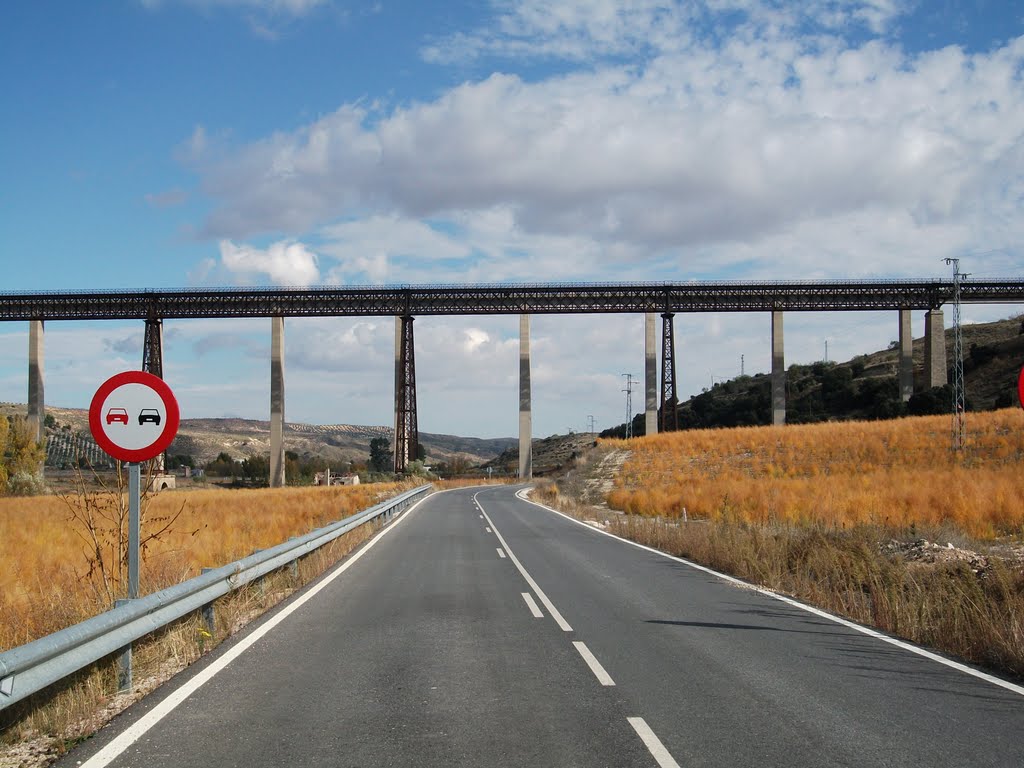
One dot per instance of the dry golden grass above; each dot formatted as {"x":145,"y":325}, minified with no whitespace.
{"x":895,"y":474}
{"x":44,"y":587}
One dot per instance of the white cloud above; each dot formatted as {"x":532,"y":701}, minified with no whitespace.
{"x":283,"y":263}
{"x":584,"y":30}
{"x":716,"y":149}
{"x":367,"y":248}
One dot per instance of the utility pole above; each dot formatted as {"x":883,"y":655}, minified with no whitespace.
{"x":742,"y":366}
{"x":629,"y":404}
{"x":959,"y":427}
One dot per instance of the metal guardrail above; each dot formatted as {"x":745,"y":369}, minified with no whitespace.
{"x":30,"y":668}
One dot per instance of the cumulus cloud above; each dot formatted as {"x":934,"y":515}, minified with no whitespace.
{"x":733,"y":138}
{"x":283,"y":263}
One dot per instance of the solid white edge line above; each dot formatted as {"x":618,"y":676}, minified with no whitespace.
{"x":501,"y":552}
{"x":562,"y":623}
{"x":120,"y":743}
{"x":595,"y":666}
{"x":652,"y":742}
{"x":904,"y":645}
{"x":532,"y":605}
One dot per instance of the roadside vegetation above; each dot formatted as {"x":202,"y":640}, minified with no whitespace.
{"x":64,"y":555}
{"x":64,"y":562}
{"x":879,"y":522}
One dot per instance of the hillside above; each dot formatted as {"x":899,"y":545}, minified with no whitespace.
{"x":204,"y":439}
{"x":865,"y":387}
{"x":550,"y":454}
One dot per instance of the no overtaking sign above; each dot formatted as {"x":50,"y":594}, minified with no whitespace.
{"x":134,"y":416}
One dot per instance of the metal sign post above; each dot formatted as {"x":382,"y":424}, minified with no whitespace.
{"x":134,"y":527}
{"x":133,"y":417}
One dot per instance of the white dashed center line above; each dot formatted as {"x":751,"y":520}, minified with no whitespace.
{"x":501,"y":552}
{"x":562,"y":623}
{"x":532,"y":605}
{"x":653,"y":743}
{"x":595,"y":666}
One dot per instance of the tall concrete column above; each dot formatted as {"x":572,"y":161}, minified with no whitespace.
{"x":906,"y":356}
{"x":277,"y":402}
{"x":935,"y":349}
{"x":36,"y":401}
{"x":778,"y":372}
{"x":525,"y":414}
{"x":651,"y":374}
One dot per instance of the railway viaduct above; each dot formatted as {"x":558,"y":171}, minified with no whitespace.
{"x":407,"y":302}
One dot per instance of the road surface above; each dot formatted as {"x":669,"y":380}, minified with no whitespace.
{"x":482,"y":630}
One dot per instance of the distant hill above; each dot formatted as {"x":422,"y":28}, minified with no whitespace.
{"x":865,"y":387}
{"x":204,"y":439}
{"x":550,"y":454}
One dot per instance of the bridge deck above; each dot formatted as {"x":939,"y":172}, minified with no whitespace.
{"x":796,"y":296}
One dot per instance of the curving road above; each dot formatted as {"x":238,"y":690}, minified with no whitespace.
{"x":482,"y":630}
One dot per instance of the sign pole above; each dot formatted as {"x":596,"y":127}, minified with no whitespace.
{"x":134,"y":528}
{"x":133,"y":417}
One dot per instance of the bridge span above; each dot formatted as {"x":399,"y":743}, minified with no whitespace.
{"x":405,"y":302}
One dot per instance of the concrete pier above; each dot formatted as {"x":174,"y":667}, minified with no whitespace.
{"x":906,"y":370}
{"x":36,"y":400}
{"x":651,"y":374}
{"x":277,"y":478}
{"x":778,"y":372}
{"x":525,"y":414}
{"x":935,"y":374}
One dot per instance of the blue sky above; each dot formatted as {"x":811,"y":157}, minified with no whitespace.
{"x":168,"y":143}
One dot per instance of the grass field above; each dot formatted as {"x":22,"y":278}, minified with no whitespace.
{"x":895,"y":474}
{"x":49,"y":579}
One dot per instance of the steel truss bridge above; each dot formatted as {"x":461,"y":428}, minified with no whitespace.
{"x":406,"y":302}
{"x":539,"y":298}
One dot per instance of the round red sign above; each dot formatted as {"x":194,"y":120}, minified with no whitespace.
{"x":134,"y":416}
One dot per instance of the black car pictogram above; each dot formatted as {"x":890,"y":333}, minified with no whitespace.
{"x":152,"y":415}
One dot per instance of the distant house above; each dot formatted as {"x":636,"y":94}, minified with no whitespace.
{"x":326,"y":478}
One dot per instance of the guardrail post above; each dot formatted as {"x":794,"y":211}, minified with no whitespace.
{"x":209,"y":619}
{"x":124,"y":660}
{"x":258,"y":582}
{"x":293,"y":566}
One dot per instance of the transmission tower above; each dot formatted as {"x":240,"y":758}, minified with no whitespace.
{"x":959,"y":429}
{"x":629,"y":404}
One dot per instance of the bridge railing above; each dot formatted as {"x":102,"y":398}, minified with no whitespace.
{"x":30,"y":668}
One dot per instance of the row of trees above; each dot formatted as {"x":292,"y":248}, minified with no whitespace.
{"x":300,"y":470}
{"x":822,"y":391}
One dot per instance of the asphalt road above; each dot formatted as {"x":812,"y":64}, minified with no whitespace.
{"x":481,"y":630}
